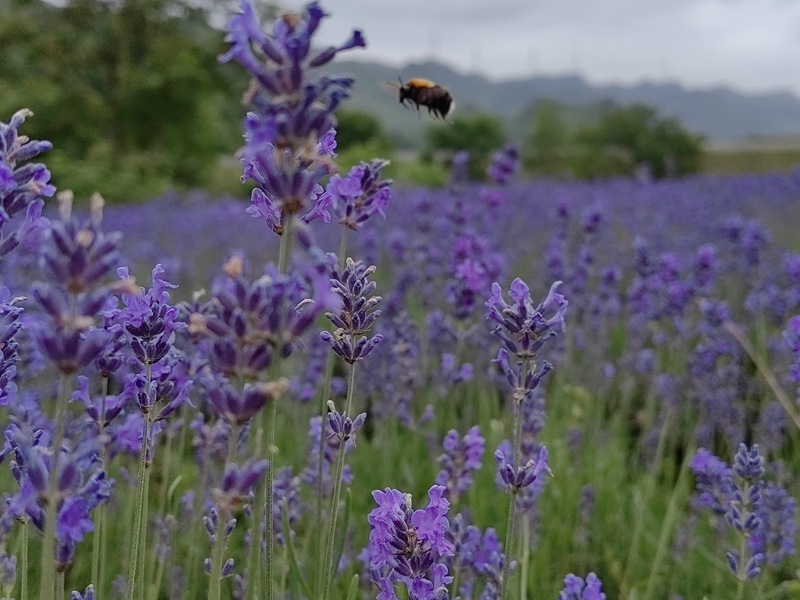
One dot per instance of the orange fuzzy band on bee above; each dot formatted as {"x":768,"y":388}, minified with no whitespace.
{"x":419,"y":82}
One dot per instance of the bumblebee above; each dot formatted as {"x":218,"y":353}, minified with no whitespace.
{"x":423,"y":92}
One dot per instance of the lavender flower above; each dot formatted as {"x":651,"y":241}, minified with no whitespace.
{"x":88,"y":594}
{"x":777,"y":512}
{"x":286,"y":497}
{"x":459,"y":169}
{"x":8,"y":573}
{"x":342,"y":426}
{"x":791,"y":337}
{"x":357,"y":315}
{"x":10,"y":324}
{"x":473,"y":266}
{"x":714,"y":481}
{"x":148,"y":318}
{"x":237,"y":484}
{"x":762,"y":515}
{"x":478,"y":557}
{"x":249,"y":322}
{"x":331,"y":445}
{"x":21,"y":185}
{"x":516,"y":479}
{"x":81,"y":486}
{"x":504,"y":165}
{"x":394,"y":372}
{"x":167,"y":384}
{"x":76,"y":257}
{"x":214,"y":528}
{"x":286,"y":50}
{"x":238,"y":407}
{"x":284,"y":155}
{"x":461,"y":458}
{"x":354,"y":198}
{"x":490,"y":561}
{"x":706,"y":267}
{"x":165,"y":530}
{"x":575,"y":588}
{"x":522,"y":382}
{"x":523,"y":327}
{"x":717,"y":377}
{"x":408,"y":546}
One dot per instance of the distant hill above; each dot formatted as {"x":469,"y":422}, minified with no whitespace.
{"x":719,"y":113}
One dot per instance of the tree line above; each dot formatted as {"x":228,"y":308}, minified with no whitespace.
{"x":129,"y":92}
{"x":619,"y":141}
{"x":133,"y":98}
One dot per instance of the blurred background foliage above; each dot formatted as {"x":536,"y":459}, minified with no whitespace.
{"x":129,"y":92}
{"x":133,"y":98}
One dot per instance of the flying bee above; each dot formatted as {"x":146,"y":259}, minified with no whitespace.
{"x":423,"y":92}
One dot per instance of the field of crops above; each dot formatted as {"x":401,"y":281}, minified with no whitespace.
{"x":507,"y":390}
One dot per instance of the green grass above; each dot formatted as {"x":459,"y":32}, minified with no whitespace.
{"x":630,"y":519}
{"x":744,"y":160}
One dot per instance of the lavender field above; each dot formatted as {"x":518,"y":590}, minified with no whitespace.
{"x":341,"y":388}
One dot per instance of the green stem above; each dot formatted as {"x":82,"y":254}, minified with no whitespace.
{"x":284,"y":256}
{"x":286,"y":245}
{"x":145,"y":519}
{"x":153,"y":561}
{"x":351,"y":384}
{"x":297,"y":582}
{"x":138,"y":539}
{"x":741,"y":571}
{"x":215,"y":589}
{"x":343,"y":248}
{"x":456,"y":577}
{"x":233,"y":441}
{"x":526,"y":556}
{"x":61,"y":588}
{"x":255,"y":529}
{"x":329,"y":544}
{"x":166,"y":464}
{"x":337,"y":490}
{"x":200,"y":491}
{"x":184,"y":435}
{"x":518,"y":399}
{"x":48,"y":565}
{"x":326,"y":392}
{"x":512,"y":510}
{"x":156,"y":586}
{"x":740,"y":589}
{"x":23,"y":594}
{"x":517,"y":434}
{"x":269,"y":556}
{"x":97,"y":540}
{"x":98,"y":555}
{"x":668,"y":526}
{"x":640,"y":502}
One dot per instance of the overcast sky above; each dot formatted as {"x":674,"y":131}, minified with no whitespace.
{"x":750,"y":45}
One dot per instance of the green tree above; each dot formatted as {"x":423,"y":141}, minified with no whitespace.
{"x":545,"y":148}
{"x":478,"y":134}
{"x":356,"y":127}
{"x":629,"y":138}
{"x":359,"y":137}
{"x":130,"y":92}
